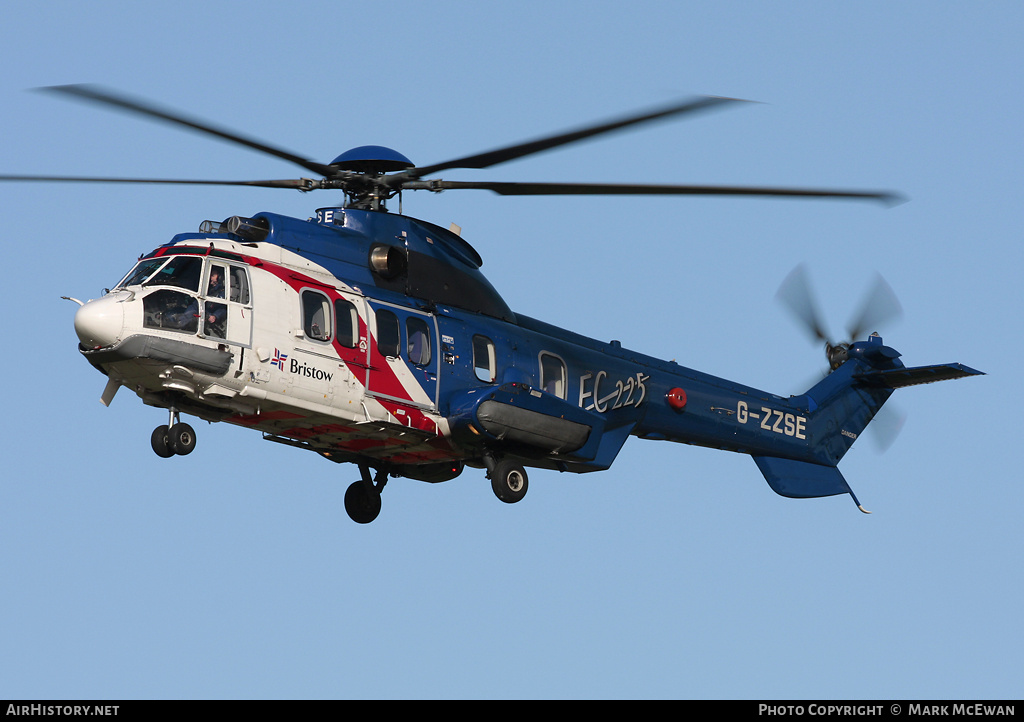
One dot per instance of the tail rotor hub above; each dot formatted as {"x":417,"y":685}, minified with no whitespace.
{"x":879,"y":306}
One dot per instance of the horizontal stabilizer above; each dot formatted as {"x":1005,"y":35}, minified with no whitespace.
{"x":801,"y":479}
{"x":898,"y":378}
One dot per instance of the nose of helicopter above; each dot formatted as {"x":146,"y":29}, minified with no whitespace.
{"x":99,"y":323}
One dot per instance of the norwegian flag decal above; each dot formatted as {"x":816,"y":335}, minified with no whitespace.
{"x":278,"y":360}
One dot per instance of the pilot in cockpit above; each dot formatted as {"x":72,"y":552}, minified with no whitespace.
{"x":216,"y":289}
{"x":215,"y":312}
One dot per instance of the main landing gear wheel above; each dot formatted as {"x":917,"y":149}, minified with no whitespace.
{"x":362,"y":498}
{"x":161,"y":442}
{"x":362,"y":504}
{"x":509,"y":482}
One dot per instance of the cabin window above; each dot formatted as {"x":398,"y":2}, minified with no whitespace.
{"x":552,"y":374}
{"x":347,"y":320}
{"x":483,"y":359}
{"x":388,"y":340}
{"x":417,"y":335}
{"x":180,"y":271}
{"x":316,"y":316}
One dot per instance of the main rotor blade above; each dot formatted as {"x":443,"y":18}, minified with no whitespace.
{"x":549,"y":189}
{"x":501,"y":155}
{"x":302,"y":184}
{"x":795,"y":293}
{"x":94,"y":94}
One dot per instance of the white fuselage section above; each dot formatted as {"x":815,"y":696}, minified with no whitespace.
{"x":280,"y":345}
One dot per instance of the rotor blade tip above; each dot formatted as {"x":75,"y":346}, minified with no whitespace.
{"x":730,"y":99}
{"x":891,"y":200}
{"x":63,"y":88}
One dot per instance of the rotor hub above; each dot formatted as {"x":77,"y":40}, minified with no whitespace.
{"x":373,"y":159}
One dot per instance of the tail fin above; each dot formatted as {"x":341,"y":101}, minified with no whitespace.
{"x":840,"y":408}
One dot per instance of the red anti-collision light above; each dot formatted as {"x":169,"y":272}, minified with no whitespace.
{"x":676,"y":398}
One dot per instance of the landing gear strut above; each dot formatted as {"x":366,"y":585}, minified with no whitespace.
{"x":362,"y":498}
{"x":172,"y":438}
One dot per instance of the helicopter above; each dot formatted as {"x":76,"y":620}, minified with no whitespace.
{"x":372,"y":338}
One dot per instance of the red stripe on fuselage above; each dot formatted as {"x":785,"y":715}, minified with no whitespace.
{"x":384,"y":380}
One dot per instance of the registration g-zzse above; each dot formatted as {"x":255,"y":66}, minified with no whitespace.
{"x":370,"y":337}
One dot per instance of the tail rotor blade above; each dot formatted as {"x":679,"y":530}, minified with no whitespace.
{"x":880,"y":307}
{"x":886,"y":426}
{"x":795,"y":293}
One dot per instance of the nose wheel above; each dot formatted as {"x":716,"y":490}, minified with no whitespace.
{"x":173,"y":438}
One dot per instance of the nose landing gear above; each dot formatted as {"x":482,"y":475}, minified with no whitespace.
{"x":175,"y":437}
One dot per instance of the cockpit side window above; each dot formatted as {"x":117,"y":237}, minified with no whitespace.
{"x":181,"y":271}
{"x":217,"y":281}
{"x":170,"y":310}
{"x":239,"y":284}
{"x":215,"y":314}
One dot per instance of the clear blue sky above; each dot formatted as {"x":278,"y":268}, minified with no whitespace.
{"x":234,"y":572}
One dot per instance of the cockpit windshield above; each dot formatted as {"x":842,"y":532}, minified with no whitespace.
{"x":142,"y":270}
{"x":180,"y":271}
